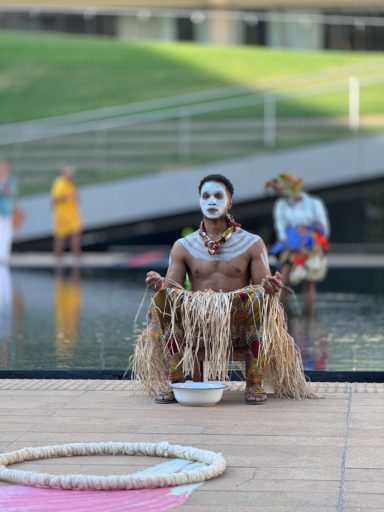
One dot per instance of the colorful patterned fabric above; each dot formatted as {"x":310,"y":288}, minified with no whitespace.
{"x":246,"y":331}
{"x":285,"y":184}
{"x":304,"y":248}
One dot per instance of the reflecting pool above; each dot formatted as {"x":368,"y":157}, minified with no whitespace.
{"x":72,"y":319}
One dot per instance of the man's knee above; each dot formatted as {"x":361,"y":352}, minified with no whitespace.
{"x":161,"y":301}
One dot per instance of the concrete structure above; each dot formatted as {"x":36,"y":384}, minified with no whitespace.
{"x":37,"y":260}
{"x":170,"y":194}
{"x":308,"y":24}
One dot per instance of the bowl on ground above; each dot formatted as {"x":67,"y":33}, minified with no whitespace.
{"x":198,"y":394}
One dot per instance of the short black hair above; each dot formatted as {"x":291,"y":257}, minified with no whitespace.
{"x":220,"y":179}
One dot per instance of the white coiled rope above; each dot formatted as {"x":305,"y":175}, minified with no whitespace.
{"x":215,"y":466}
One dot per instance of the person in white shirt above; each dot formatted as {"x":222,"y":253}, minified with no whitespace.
{"x":302,"y":229}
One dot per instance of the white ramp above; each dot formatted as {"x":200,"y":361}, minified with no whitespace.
{"x":164,"y":194}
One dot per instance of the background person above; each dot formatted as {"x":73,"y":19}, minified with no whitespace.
{"x":66,"y":213}
{"x":302,"y":229}
{"x":8,"y":189}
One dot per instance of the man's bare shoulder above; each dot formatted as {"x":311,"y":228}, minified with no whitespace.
{"x":190,"y":243}
{"x":258,"y":244}
{"x":179,"y":249}
{"x":251,"y":240}
{"x":257,"y":247}
{"x":178,"y":245}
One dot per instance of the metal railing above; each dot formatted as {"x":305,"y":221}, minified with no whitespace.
{"x":42,"y":127}
{"x":182,"y":130}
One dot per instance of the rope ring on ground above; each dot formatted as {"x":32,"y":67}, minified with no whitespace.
{"x":215,"y":466}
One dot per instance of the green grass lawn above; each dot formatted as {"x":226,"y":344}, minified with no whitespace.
{"x":44,"y":75}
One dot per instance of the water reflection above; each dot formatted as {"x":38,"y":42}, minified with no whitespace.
{"x":68,"y":296}
{"x":73,"y":319}
{"x":311,"y":337}
{"x":5,"y":313}
{"x":63,"y":319}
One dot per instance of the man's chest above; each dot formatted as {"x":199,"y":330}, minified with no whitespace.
{"x":231,"y":268}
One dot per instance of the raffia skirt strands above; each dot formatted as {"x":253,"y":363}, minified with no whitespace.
{"x":204,"y":320}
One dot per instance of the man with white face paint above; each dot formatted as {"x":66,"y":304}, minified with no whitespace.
{"x":219,"y":256}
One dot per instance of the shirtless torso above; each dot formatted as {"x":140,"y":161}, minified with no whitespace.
{"x":240,"y":261}
{"x":228,"y":271}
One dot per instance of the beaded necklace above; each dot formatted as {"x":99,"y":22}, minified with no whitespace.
{"x":214,"y":245}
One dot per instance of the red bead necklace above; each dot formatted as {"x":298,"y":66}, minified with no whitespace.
{"x":214,"y":245}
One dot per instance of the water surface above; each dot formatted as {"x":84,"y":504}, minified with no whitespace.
{"x":71,"y":319}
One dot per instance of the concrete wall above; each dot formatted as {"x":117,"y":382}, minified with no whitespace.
{"x":222,"y":29}
{"x":130,"y":27}
{"x":299,"y":34}
{"x":173,"y":193}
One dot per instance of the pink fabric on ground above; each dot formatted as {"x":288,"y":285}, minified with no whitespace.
{"x":16,"y":498}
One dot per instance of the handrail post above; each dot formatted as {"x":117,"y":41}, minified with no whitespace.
{"x":354,"y":103}
{"x":184,"y":145}
{"x":100,"y":150}
{"x":269,"y":128}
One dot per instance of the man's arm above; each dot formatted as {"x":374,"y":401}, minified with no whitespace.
{"x":176,"y":271}
{"x":260,"y":272}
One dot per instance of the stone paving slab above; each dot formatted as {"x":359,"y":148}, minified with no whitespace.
{"x":273,"y":499}
{"x":365,"y":501}
{"x":260,"y":507}
{"x":358,"y":509}
{"x":320,"y":455}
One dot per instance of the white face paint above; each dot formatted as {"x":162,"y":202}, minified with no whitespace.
{"x":214,"y":200}
{"x":264,"y":257}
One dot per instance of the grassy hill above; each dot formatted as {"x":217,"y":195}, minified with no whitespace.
{"x":45,"y":75}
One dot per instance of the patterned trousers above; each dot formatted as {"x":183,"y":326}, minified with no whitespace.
{"x":246,"y":331}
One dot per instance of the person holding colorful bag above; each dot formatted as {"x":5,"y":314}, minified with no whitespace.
{"x":302,"y":229}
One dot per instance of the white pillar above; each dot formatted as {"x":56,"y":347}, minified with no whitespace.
{"x":222,"y":28}
{"x":169,"y":29}
{"x":269,"y":131}
{"x":354,"y":103}
{"x":300,"y":32}
{"x":133,"y":27}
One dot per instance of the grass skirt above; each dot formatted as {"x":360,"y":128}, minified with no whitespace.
{"x":205,"y":318}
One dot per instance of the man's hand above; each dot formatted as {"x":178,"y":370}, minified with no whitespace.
{"x":272,"y":284}
{"x":154,"y":281}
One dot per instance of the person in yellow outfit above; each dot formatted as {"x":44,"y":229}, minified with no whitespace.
{"x":66,"y":213}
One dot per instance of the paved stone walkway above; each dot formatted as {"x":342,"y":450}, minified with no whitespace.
{"x":315,"y":455}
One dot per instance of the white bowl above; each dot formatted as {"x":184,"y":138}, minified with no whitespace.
{"x":198,"y":394}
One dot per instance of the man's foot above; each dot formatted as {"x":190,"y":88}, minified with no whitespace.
{"x":255,"y":395}
{"x":166,"y":397}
